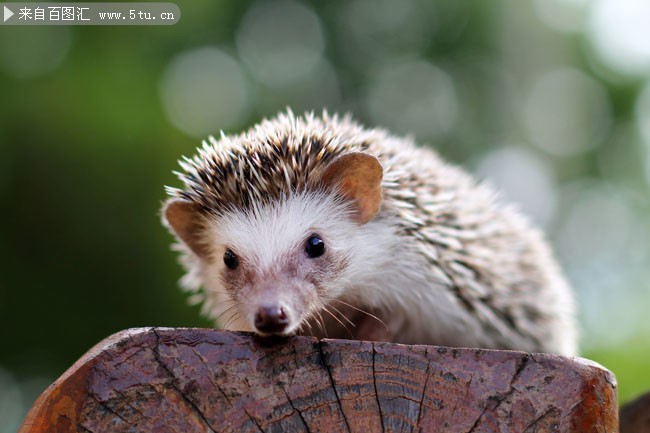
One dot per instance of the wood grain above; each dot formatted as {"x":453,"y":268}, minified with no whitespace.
{"x":199,"y":380}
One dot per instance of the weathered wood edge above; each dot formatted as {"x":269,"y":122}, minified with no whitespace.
{"x":58,"y":405}
{"x":71,"y":380}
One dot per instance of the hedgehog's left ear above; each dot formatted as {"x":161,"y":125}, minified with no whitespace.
{"x":184,"y":220}
{"x":357,"y":176}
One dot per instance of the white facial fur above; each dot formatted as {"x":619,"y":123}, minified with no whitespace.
{"x":368,"y":265}
{"x":269,"y":241}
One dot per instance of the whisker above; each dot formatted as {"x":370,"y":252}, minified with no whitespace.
{"x":232,"y":318}
{"x":321,"y":323}
{"x":337,"y":319}
{"x":225,"y":311}
{"x":306,"y":322}
{"x":343,"y":316}
{"x":361,"y":311}
{"x":227,"y":322}
{"x":219,"y":292}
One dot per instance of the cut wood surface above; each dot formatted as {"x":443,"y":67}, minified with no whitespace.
{"x":200,"y":380}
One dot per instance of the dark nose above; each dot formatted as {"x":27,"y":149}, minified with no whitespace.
{"x":271,"y":319}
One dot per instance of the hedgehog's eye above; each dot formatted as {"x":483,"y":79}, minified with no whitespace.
{"x":315,"y":247}
{"x":230,"y":259}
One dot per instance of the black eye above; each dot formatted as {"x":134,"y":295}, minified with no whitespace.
{"x":315,"y":246}
{"x":230,"y":259}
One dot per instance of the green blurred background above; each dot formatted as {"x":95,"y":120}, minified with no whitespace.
{"x":547,"y":99}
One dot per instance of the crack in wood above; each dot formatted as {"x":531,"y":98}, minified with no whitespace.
{"x":374,"y":382}
{"x":77,"y":424}
{"x":400,"y":397}
{"x":162,"y":396}
{"x":304,"y":422}
{"x":222,"y":392}
{"x":156,"y":355}
{"x":108,"y":409}
{"x":130,"y":356}
{"x":511,"y":389}
{"x":540,"y":418}
{"x":520,"y":368}
{"x":576,"y":405}
{"x":82,"y":429}
{"x":332,"y":384}
{"x":478,"y":419}
{"x":424,"y":390}
{"x":125,"y":399}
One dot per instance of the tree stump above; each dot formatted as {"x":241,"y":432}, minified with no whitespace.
{"x":635,"y":415}
{"x":199,"y":380}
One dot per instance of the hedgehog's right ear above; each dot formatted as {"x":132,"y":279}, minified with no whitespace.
{"x":357,"y":176}
{"x":183,"y":218}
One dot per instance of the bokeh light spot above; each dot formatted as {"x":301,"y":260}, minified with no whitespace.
{"x":619,"y":31}
{"x":33,"y":51}
{"x":280,"y":41}
{"x":596,"y":226}
{"x":525,"y":179}
{"x":566,"y":112}
{"x":203,"y":91}
{"x":380,"y":27}
{"x":562,"y":15}
{"x":413,"y":97}
{"x":604,"y":247}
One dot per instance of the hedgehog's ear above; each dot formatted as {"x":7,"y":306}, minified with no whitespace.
{"x":358,"y":177}
{"x":184,"y":220}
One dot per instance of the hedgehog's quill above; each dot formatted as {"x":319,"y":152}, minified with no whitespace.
{"x":316,"y":225}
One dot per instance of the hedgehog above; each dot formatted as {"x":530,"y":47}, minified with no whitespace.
{"x":315,"y":225}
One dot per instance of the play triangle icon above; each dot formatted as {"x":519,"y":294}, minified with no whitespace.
{"x":8,"y":14}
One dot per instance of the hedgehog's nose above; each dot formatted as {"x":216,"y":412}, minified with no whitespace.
{"x":271,"y":319}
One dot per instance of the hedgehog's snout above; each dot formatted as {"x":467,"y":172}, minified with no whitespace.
{"x":271,"y":319}
{"x":277,"y":302}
